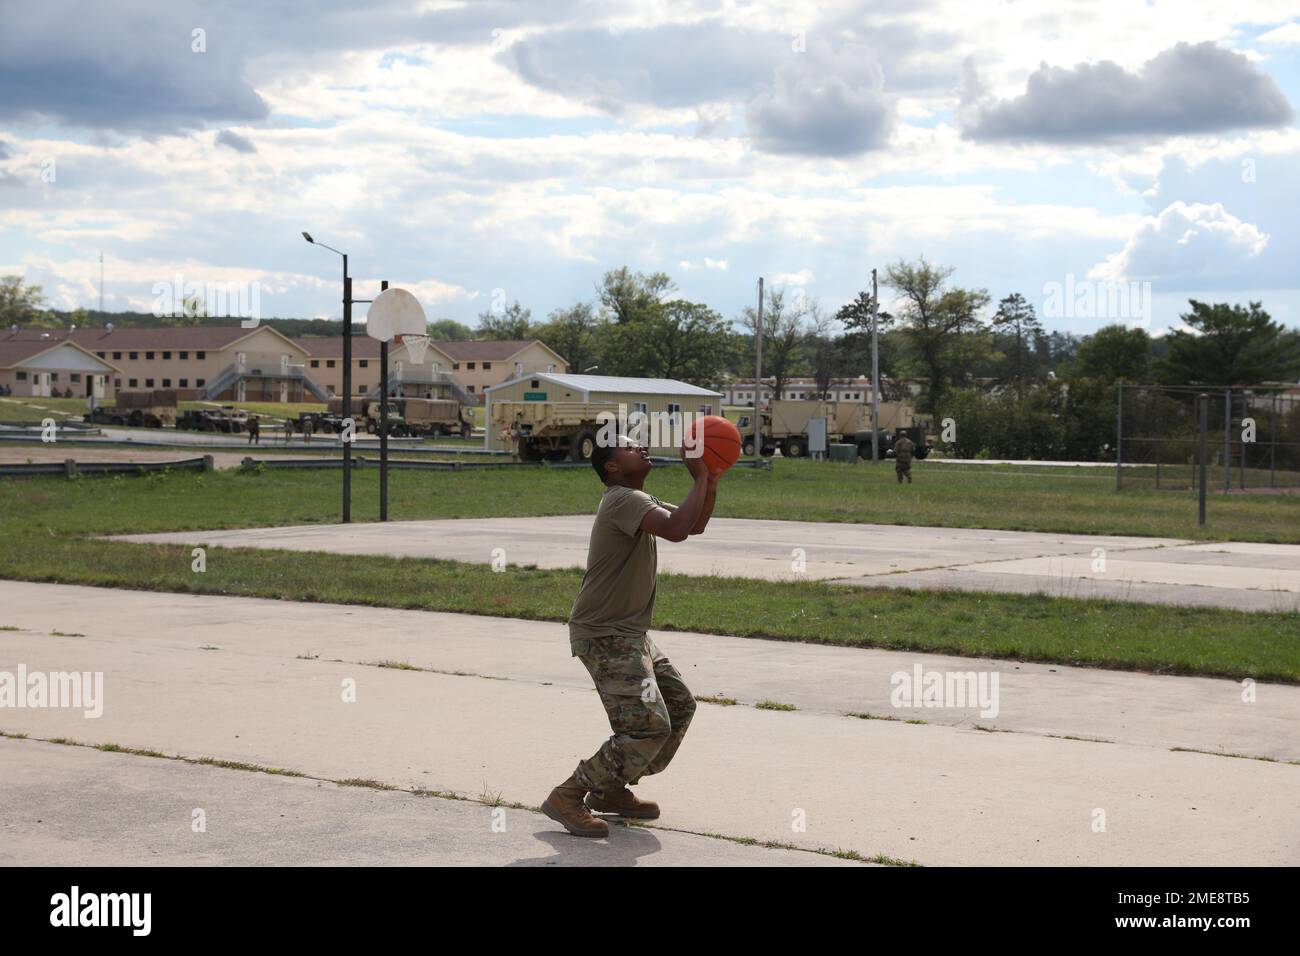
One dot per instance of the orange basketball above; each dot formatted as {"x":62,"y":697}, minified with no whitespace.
{"x":721,"y":442}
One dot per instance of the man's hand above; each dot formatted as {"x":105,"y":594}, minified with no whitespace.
{"x":695,"y":465}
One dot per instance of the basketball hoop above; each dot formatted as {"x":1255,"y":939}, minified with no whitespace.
{"x":416,"y":347}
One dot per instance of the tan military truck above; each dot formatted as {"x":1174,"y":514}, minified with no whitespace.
{"x":153,"y":408}
{"x":785,"y":426}
{"x":435,"y":416}
{"x":551,"y":430}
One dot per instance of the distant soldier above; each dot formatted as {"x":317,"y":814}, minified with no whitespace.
{"x":288,"y":430}
{"x":308,"y":426}
{"x":903,"y":450}
{"x":254,"y":431}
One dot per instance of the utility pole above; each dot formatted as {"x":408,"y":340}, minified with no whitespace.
{"x":875,"y":374}
{"x":101,"y":280}
{"x":758,"y":375}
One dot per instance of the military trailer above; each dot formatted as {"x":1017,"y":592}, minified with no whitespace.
{"x":559,"y":410}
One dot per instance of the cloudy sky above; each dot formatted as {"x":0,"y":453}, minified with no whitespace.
{"x":481,"y":152}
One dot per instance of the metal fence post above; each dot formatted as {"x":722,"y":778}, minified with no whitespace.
{"x":1119,"y":434}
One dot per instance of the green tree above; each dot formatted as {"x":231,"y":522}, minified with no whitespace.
{"x":1229,"y":345}
{"x":1015,"y":321}
{"x":784,"y":332}
{"x":512,"y":323}
{"x":20,"y":303}
{"x":1114,"y":353}
{"x":942,"y":326}
{"x":449,"y":330}
{"x":573,"y":332}
{"x":629,"y":296}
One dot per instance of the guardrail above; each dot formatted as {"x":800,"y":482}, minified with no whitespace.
{"x":71,"y":468}
{"x":401,"y":463}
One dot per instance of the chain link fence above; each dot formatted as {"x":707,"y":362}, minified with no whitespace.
{"x":1252,"y":438}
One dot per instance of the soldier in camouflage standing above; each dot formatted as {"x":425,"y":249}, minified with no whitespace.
{"x":903,"y":450}
{"x":648,"y":705}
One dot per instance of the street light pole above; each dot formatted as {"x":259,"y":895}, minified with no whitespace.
{"x":875,"y":374}
{"x":347,"y":378}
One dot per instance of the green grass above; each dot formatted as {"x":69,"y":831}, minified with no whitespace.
{"x":15,"y":408}
{"x":45,"y":523}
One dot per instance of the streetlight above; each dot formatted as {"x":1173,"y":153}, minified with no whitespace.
{"x":347,"y":376}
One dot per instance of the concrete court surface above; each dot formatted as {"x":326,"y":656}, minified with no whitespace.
{"x":70,"y":806}
{"x":259,"y":681}
{"x":1252,"y":577}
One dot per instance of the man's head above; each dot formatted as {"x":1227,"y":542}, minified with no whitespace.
{"x":624,"y":463}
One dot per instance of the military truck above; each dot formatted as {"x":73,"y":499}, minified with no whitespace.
{"x":227,"y":419}
{"x":435,"y":416}
{"x":785,"y":427}
{"x":397,"y":424}
{"x":551,"y":430}
{"x":147,"y":409}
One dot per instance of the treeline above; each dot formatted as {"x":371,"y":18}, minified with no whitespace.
{"x":944,"y":338}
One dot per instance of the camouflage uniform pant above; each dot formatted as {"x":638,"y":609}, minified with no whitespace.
{"x":648,"y":704}
{"x":903,"y":469}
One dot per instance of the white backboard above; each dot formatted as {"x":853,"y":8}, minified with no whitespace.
{"x":395,"y":312}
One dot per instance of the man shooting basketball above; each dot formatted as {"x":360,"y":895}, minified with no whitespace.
{"x":648,"y":704}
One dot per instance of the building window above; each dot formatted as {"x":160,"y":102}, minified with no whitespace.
{"x":469,"y":366}
{"x":536,"y":383}
{"x":117,"y":355}
{"x":148,"y":383}
{"x":315,"y":363}
{"x":455,"y":366}
{"x":185,"y":383}
{"x":185,"y":355}
{"x":365,"y":363}
{"x":54,"y":376}
{"x":167,"y":356}
{"x":76,"y":376}
{"x":200,"y":355}
{"x":148,"y":356}
{"x":487,"y":366}
{"x":131,"y":383}
{"x":135,"y":356}
{"x":117,"y":383}
{"x":199,"y":382}
{"x":22,"y":376}
{"x":361,"y":389}
{"x":329,"y":363}
{"x":100,"y":354}
{"x":470,"y":387}
{"x":167,"y":383}
{"x":706,"y":409}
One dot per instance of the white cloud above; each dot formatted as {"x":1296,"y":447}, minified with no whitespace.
{"x":1187,"y":243}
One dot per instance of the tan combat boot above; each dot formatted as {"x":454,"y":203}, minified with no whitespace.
{"x":564,"y":806}
{"x":623,"y":802}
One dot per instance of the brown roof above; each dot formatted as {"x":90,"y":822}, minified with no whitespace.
{"x":490,"y":350}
